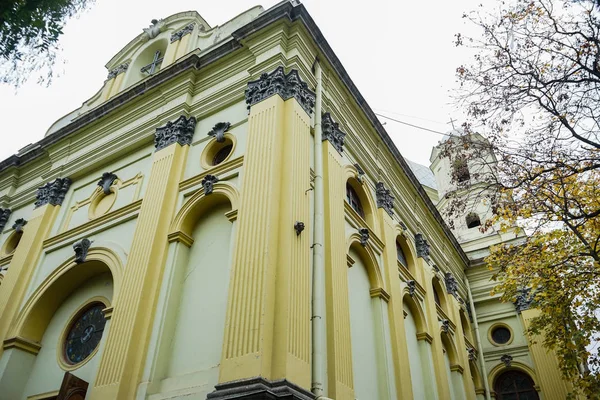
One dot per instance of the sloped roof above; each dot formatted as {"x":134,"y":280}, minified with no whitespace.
{"x":424,"y":174}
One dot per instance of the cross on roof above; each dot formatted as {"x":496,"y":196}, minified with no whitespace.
{"x":452,"y":122}
{"x":151,"y":68}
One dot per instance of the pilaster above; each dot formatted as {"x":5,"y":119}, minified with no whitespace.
{"x":461,"y":345}
{"x":27,"y":253}
{"x":546,"y":364}
{"x":395,"y":309}
{"x":123,"y":358}
{"x":267,"y":331}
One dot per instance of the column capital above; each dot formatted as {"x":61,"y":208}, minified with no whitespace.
{"x":4,"y":215}
{"x":181,"y":131}
{"x":385,"y":199}
{"x":286,"y":86}
{"x":53,"y":193}
{"x":332,"y":132}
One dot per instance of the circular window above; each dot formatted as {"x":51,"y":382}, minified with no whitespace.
{"x":84,"y":334}
{"x":501,"y":334}
{"x":217,"y":153}
{"x":11,"y":244}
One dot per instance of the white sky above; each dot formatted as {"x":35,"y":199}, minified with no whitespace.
{"x":400,"y":55}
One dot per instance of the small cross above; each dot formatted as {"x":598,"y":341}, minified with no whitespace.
{"x":452,"y":122}
{"x":151,"y":68}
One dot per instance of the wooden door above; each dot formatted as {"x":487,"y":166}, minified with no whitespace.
{"x":72,"y":388}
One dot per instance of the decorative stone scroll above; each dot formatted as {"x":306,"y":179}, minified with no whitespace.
{"x":53,"y":193}
{"x":364,"y":236}
{"x":298,"y":227}
{"x":523,"y":300}
{"x":506,"y":359}
{"x":186,"y":30}
{"x":153,"y":30}
{"x":81,"y":250}
{"x":286,"y":86}
{"x":108,"y":178}
{"x":117,"y":70}
{"x":445,"y":325}
{"x":422,"y":246}
{"x":19,"y":224}
{"x":361,"y":173}
{"x":4,"y":215}
{"x":412,"y":287}
{"x":208,"y":182}
{"x":451,"y":284}
{"x":385,"y":199}
{"x":181,"y":131}
{"x":332,"y":132}
{"x":218,"y":131}
{"x":472,"y":353}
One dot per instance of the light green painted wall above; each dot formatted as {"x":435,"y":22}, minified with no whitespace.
{"x":364,"y":345}
{"x":46,"y":375}
{"x":14,"y":367}
{"x":416,"y":366}
{"x":198,"y":332}
{"x":449,"y":375}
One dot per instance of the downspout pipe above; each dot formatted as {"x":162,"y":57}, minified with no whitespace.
{"x":319,"y":338}
{"x":486,"y":384}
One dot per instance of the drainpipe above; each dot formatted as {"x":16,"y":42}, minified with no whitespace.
{"x":319,"y":338}
{"x":486,"y":384}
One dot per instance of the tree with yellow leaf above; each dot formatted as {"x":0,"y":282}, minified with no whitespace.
{"x":533,"y":91}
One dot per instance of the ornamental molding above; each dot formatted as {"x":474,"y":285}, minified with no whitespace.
{"x":332,"y":133}
{"x":209,"y":182}
{"x":364,"y":236}
{"x":472,"y":353}
{"x":422,"y":246}
{"x":19,"y":224}
{"x":506,"y":359}
{"x":412,"y":287}
{"x":360,"y":173}
{"x":152,"y":31}
{"x":445,"y":325}
{"x":218,"y":131}
{"x":385,"y":199}
{"x":186,"y":30}
{"x":53,"y":193}
{"x":81,"y":248}
{"x":4,"y":215}
{"x":181,"y":131}
{"x":108,"y":178}
{"x":286,"y":86}
{"x":451,"y":284}
{"x":523,"y":300}
{"x":117,"y":70}
{"x":299,"y":227}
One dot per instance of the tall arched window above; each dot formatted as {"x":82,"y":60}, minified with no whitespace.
{"x":473,"y":220}
{"x":400,"y":254}
{"x":353,"y":200}
{"x":460,"y":170}
{"x":515,"y":385}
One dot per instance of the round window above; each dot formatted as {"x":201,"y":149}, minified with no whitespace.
{"x":84,"y":334}
{"x":501,"y":335}
{"x":216,"y":153}
{"x":222,"y":154}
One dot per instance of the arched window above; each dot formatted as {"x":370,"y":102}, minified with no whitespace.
{"x":460,"y":170}
{"x":400,"y":255}
{"x":473,"y":220}
{"x":436,"y":296}
{"x":353,"y":200}
{"x":515,"y":385}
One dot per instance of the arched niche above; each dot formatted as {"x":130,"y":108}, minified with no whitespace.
{"x":466,"y":326}
{"x":450,"y":347}
{"x":144,"y":56}
{"x":417,"y":313}
{"x":33,"y":319}
{"x":403,"y":244}
{"x":364,"y":195}
{"x":199,"y":203}
{"x":369,"y":259}
{"x":510,"y":381}
{"x":476,"y":376}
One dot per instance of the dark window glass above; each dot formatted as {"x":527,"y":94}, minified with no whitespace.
{"x":473,"y":220}
{"x":85,"y":334}
{"x":401,"y":256}
{"x":436,"y":296}
{"x":461,"y":170}
{"x":515,"y":385}
{"x":353,"y":200}
{"x":501,"y":335}
{"x":222,"y":154}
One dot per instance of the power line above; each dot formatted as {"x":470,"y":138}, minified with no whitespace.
{"x":414,"y":126}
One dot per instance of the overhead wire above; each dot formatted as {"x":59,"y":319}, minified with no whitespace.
{"x":412,"y":125}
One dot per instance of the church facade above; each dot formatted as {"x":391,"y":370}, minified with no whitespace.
{"x":227,"y":219}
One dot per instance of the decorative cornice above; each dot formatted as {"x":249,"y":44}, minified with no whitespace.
{"x":286,"y":86}
{"x":451,"y":285}
{"x":108,"y":178}
{"x":364,"y":236}
{"x":422,"y":246}
{"x":218,"y":131}
{"x":19,"y":224}
{"x":53,"y":193}
{"x":186,"y":30}
{"x":332,"y":132}
{"x":4,"y":215}
{"x":181,"y":131}
{"x":81,"y":248}
{"x":117,"y":70}
{"x":259,"y":389}
{"x":385,"y":199}
{"x":18,"y":342}
{"x":209,"y":182}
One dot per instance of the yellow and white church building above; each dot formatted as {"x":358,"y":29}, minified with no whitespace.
{"x":227,"y":219}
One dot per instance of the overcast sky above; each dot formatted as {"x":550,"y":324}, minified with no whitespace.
{"x":400,"y":55}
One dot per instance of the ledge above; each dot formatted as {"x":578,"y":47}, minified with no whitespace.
{"x":259,"y":389}
{"x":21,"y":343}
